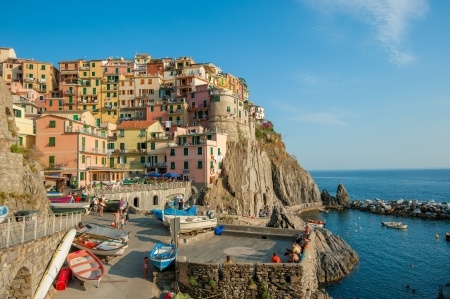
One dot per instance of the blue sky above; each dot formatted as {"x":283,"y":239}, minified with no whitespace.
{"x":350,"y":84}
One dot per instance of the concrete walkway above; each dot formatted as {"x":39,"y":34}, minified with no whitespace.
{"x":125,"y":276}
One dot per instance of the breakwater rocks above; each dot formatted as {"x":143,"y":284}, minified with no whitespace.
{"x":335,"y":258}
{"x":405,"y":208}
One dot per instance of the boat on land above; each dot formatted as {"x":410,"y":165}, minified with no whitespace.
{"x":316,"y":223}
{"x":64,"y":199}
{"x":75,"y":207}
{"x":55,"y":265}
{"x":159,"y":214}
{"x":3,"y":213}
{"x":100,"y":245}
{"x":196,"y":223}
{"x":392,"y":224}
{"x":86,"y":266}
{"x":163,"y":255}
{"x":104,"y":231}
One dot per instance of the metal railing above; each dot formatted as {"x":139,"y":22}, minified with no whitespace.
{"x":20,"y":229}
{"x":115,"y":188}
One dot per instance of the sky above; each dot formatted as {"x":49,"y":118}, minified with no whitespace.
{"x":350,"y":84}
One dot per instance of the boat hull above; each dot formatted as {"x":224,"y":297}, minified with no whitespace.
{"x":197,"y":223}
{"x":55,"y":265}
{"x":86,"y":266}
{"x":100,"y":245}
{"x":59,"y":208}
{"x":316,"y":223}
{"x":162,"y":255}
{"x":396,"y":225}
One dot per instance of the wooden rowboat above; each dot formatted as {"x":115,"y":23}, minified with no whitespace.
{"x":392,"y":224}
{"x":100,"y":245}
{"x":86,"y":266}
{"x":163,"y":255}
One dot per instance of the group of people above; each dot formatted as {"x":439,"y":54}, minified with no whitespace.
{"x":98,"y":204}
{"x":121,"y":216}
{"x":298,"y":246}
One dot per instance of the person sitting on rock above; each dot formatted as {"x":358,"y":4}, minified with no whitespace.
{"x":293,"y":258}
{"x":275,"y":258}
{"x":295,"y":249}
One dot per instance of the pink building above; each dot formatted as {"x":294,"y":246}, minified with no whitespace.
{"x":197,"y":154}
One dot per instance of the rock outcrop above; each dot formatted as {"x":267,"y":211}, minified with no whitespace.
{"x":335,"y":258}
{"x":280,"y":218}
{"x":21,"y":181}
{"x":342,"y":198}
{"x":260,"y":173}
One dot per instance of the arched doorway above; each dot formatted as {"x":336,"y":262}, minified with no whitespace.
{"x":155,"y":200}
{"x":136,"y":202}
{"x":21,"y":285}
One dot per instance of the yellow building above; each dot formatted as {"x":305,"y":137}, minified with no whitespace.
{"x":136,"y":145}
{"x":26,"y":134}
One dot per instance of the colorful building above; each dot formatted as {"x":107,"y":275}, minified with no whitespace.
{"x":26,"y":135}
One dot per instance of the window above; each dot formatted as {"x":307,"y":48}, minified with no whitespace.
{"x":152,"y":146}
{"x":228,"y":109}
{"x":172,"y":165}
{"x":43,"y":67}
{"x":209,"y":137}
{"x":50,"y":103}
{"x":51,"y":141}
{"x":172,"y":152}
{"x":216,"y":98}
{"x":211,"y":164}
{"x":70,"y":99}
{"x":200,"y":150}
{"x":85,"y":74}
{"x":94,"y":90}
{"x":92,"y":74}
{"x":186,"y":151}
{"x":128,"y":70}
{"x":218,"y":151}
{"x":52,"y":124}
{"x":211,"y":151}
{"x":200,"y":164}
{"x":30,"y":66}
{"x":51,"y":160}
{"x":122,"y":146}
{"x":43,"y":76}
{"x":93,"y":64}
{"x":142,"y":159}
{"x":186,"y":165}
{"x":81,"y":176}
{"x":83,"y":159}
{"x":97,"y":82}
{"x":60,"y":102}
{"x":110,"y":145}
{"x":121,"y":133}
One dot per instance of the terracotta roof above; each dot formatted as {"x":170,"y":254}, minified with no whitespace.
{"x":136,"y":124}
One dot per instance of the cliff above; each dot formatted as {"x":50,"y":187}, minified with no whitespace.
{"x":258,"y":172}
{"x":21,"y":180}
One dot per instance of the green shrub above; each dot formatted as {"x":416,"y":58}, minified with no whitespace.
{"x":192,"y":281}
{"x":212,"y":283}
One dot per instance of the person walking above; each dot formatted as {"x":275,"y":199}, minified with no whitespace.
{"x":145,"y":264}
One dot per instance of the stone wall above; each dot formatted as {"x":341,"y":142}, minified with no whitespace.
{"x":23,"y":266}
{"x":247,"y":280}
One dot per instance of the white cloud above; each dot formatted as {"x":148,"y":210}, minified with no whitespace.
{"x":389,"y":19}
{"x":310,"y":79}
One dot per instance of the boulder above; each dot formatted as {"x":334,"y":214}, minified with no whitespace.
{"x":280,"y":218}
{"x":342,"y":196}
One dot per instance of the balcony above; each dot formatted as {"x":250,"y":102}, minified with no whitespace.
{"x":69,"y":92}
{"x":42,"y":80}
{"x":174,"y":111}
{"x":55,"y":166}
{"x":28,"y":79}
{"x":92,"y":150}
{"x":158,"y":164}
{"x":85,"y":68}
{"x":130,"y":151}
{"x":88,"y":131}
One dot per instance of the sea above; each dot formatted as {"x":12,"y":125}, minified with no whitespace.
{"x":411,"y":263}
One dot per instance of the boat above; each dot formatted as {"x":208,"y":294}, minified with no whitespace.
{"x":195,"y":223}
{"x":447,"y":236}
{"x":104,"y":231}
{"x":64,"y":199}
{"x":74,"y":207}
{"x":392,"y":224}
{"x":55,"y":265}
{"x":3,"y":213}
{"x":163,"y":255}
{"x":86,"y":266}
{"x":100,"y":245}
{"x":316,"y":223}
{"x":191,"y":211}
{"x":324,"y":210}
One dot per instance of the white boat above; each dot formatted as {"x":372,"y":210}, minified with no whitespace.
{"x":3,"y":213}
{"x":194,"y":223}
{"x":392,"y":224}
{"x":166,"y":218}
{"x":72,"y":207}
{"x":100,"y":245}
{"x":104,"y":231}
{"x":86,"y":266}
{"x":55,"y":265}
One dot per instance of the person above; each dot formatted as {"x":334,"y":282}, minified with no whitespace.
{"x":294,"y":249}
{"x":101,"y":205}
{"x":275,"y":258}
{"x":293,"y":258}
{"x":145,"y":267}
{"x":180,"y":204}
{"x":80,"y":226}
{"x":121,"y":203}
{"x":117,"y":219}
{"x":127,"y":215}
{"x":228,"y":260}
{"x":122,"y":223}
{"x":95,"y":204}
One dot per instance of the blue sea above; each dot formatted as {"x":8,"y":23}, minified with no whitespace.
{"x":409,"y":263}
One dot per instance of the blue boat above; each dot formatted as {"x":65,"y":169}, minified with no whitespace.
{"x":3,"y":213}
{"x":163,"y":255}
{"x":191,"y":211}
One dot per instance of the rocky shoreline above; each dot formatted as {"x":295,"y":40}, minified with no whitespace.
{"x":404,"y":208}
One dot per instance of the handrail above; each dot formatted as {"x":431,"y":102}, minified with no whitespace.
{"x":20,"y":229}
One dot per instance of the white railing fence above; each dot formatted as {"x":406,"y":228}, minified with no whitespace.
{"x":20,"y":229}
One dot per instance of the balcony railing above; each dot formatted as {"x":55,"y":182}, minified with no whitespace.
{"x":42,"y":80}
{"x":88,"y":131}
{"x":92,"y":150}
{"x":174,"y":111}
{"x":28,"y":79}
{"x":55,"y":166}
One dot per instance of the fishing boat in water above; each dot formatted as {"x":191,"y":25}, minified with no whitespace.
{"x":392,"y":224}
{"x":163,"y":255}
{"x":86,"y":266}
{"x":100,"y":245}
{"x":447,"y":236}
{"x":316,"y":223}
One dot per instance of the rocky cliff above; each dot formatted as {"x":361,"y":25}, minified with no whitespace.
{"x":258,"y":172}
{"x":21,"y":180}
